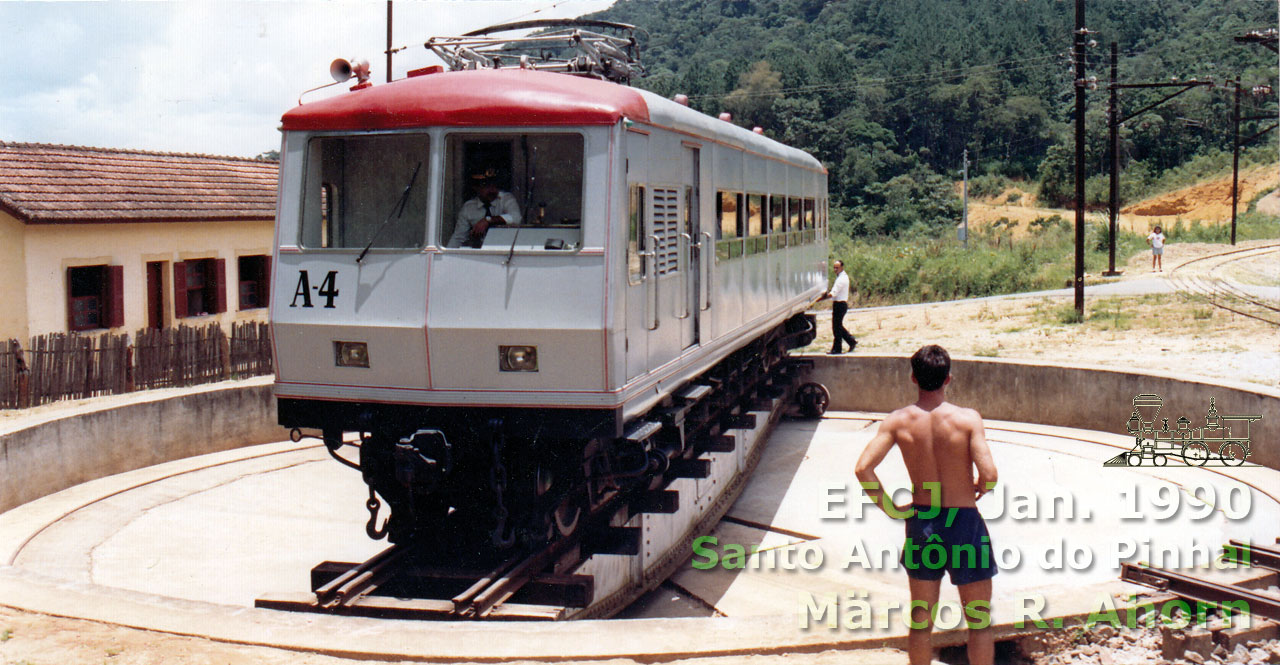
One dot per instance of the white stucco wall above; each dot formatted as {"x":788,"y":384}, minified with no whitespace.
{"x":13,"y":280}
{"x":52,"y":248}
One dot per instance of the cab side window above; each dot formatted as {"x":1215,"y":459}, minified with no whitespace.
{"x":635,"y":234}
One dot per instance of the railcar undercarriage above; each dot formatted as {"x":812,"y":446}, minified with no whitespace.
{"x":512,"y":490}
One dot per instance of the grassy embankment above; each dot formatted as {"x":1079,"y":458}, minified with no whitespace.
{"x":887,"y":271}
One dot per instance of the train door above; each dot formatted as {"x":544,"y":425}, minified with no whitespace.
{"x":638,"y":303}
{"x":691,"y":250}
{"x":666,"y":275}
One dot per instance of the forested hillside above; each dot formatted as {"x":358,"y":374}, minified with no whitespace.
{"x":889,"y":93}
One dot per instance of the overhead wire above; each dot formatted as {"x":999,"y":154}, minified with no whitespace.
{"x":536,"y":11}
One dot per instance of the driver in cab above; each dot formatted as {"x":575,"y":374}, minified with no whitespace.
{"x":488,"y":207}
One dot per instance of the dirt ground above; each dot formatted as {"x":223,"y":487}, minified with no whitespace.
{"x":1208,"y":202}
{"x":1162,"y":332}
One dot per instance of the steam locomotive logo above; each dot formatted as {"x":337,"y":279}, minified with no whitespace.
{"x":1222,"y":441}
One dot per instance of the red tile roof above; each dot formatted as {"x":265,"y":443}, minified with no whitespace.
{"x":59,"y":183}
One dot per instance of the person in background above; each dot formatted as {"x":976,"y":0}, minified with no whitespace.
{"x":839,"y":295}
{"x":1156,"y":240}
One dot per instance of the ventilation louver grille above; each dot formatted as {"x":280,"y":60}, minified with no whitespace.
{"x":666,"y":227}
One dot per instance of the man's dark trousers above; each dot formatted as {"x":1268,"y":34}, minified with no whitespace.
{"x":838,"y":310}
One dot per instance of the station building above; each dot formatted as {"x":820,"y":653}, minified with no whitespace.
{"x":95,"y":239}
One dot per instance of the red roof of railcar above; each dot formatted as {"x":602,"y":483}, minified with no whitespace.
{"x":506,"y":97}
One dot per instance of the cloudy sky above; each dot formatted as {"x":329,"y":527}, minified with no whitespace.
{"x":207,"y":77}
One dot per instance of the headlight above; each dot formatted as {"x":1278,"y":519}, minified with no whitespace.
{"x":518,"y":358}
{"x":351,"y":354}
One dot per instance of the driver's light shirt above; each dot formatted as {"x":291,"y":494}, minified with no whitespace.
{"x":840,"y":291}
{"x":504,"y":206}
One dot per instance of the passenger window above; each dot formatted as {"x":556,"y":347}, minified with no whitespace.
{"x":756,"y":224}
{"x":824,"y":220}
{"x":728,"y":206}
{"x":777,"y":213}
{"x":808,"y":213}
{"x":793,"y":210}
{"x":521,"y":191}
{"x":755,"y":215}
{"x":635,"y":235}
{"x":729,"y":212}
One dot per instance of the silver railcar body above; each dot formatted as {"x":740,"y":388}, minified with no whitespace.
{"x":662,"y":253}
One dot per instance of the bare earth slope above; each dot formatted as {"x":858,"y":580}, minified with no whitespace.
{"x":1207,"y":202}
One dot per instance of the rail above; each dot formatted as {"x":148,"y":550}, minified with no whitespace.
{"x":1222,"y":294}
{"x":1227,"y":597}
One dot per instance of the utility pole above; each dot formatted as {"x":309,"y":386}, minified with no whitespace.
{"x":1240,"y":143}
{"x":389,"y":49}
{"x":965,"y":216}
{"x":1078,"y":53}
{"x":1235,"y":159}
{"x":1113,"y":116}
{"x":1270,"y":39}
{"x":1114,"y":121}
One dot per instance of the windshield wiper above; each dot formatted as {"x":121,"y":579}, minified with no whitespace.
{"x":395,"y":213}
{"x":530,"y":179}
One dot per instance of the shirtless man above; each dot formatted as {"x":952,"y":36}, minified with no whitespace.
{"x":941,"y":445}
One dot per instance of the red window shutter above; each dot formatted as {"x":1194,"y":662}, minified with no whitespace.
{"x":264,"y":287}
{"x":114,"y":315}
{"x":220,"y":286}
{"x":71,"y":311}
{"x":180,"y":290}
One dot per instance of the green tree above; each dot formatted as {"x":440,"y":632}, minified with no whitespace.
{"x":751,"y":103}
{"x":1057,"y":176}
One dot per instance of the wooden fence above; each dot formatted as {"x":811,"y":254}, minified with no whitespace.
{"x":250,"y":349}
{"x":13,"y":376}
{"x":71,"y":366}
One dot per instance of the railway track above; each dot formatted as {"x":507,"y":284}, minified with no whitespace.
{"x":1196,"y":278}
{"x":648,"y":529}
{"x":1213,"y":594}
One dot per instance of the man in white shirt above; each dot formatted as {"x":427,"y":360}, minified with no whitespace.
{"x":490,"y":206}
{"x":839,"y":295}
{"x":1156,"y":240}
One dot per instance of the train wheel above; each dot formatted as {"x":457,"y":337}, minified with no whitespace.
{"x":1160,"y":460}
{"x":1232,"y":453}
{"x":1195,"y":454}
{"x":1134,"y":459}
{"x":568,"y":513}
{"x":813,"y":399}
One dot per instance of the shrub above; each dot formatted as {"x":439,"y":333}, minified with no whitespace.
{"x":987,"y":186}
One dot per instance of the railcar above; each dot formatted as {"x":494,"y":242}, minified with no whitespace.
{"x":503,"y":388}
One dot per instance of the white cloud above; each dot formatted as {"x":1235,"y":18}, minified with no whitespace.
{"x":206,"y":77}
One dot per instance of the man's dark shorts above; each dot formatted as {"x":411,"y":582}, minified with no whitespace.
{"x":962,"y":549}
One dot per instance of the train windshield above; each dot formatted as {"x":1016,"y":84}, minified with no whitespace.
{"x":366,"y":191}
{"x":513,"y":191}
